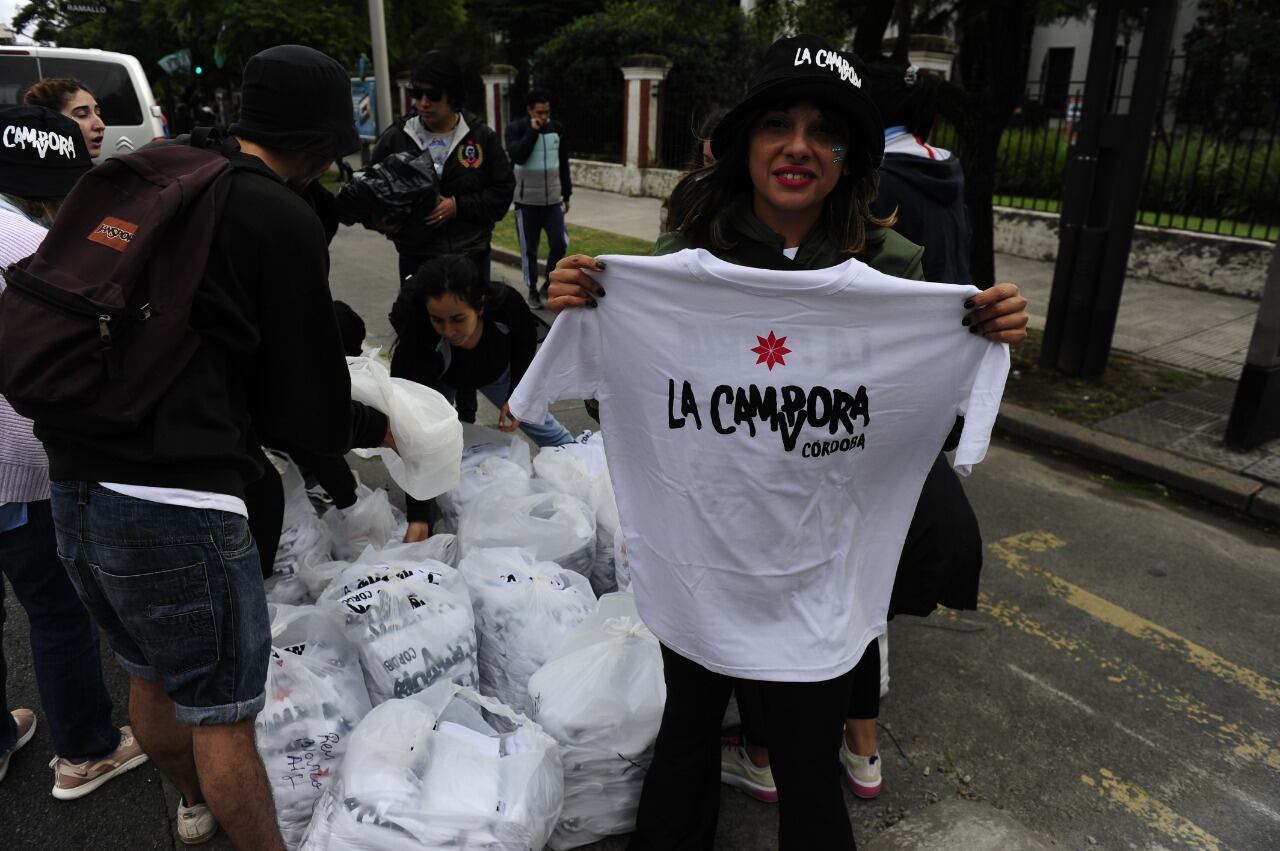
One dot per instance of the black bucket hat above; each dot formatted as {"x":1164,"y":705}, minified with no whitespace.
{"x":807,"y":66}
{"x":42,"y":152}
{"x":296,"y":98}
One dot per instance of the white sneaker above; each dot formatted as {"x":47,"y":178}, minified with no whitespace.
{"x":26,"y":721}
{"x":737,"y":769}
{"x":196,"y":823}
{"x":862,"y":773}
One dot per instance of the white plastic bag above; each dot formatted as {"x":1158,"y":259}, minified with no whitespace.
{"x":410,"y":632}
{"x":370,"y":520}
{"x":491,"y":476}
{"x":441,"y":548}
{"x":580,"y":470}
{"x":315,"y":696}
{"x":424,"y":424}
{"x":523,"y":609}
{"x":446,"y":768}
{"x":621,"y":562}
{"x":553,"y":526}
{"x":601,"y":696}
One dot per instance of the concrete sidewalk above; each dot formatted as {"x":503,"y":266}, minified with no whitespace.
{"x":1177,"y":440}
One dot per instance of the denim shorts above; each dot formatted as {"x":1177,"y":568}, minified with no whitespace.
{"x":177,"y":591}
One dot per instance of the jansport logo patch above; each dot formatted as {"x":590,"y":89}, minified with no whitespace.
{"x":113,"y":233}
{"x":771,"y":350}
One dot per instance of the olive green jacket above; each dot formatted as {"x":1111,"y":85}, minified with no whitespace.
{"x":887,"y":251}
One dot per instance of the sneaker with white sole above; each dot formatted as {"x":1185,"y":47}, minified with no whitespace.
{"x":737,"y":770}
{"x":196,"y":824}
{"x":862,"y":773}
{"x":73,"y":780}
{"x":26,"y":721}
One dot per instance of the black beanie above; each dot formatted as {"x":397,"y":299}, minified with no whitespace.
{"x":42,"y":152}
{"x":296,"y":98}
{"x":437,"y":68}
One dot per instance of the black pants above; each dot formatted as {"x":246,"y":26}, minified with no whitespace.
{"x":681,"y":798}
{"x":864,"y":698}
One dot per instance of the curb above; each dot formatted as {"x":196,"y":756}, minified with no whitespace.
{"x":1212,"y":484}
{"x":512,"y":258}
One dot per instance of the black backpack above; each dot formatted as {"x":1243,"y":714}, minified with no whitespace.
{"x":94,"y":327}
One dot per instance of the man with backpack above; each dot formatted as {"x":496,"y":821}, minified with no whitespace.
{"x":149,"y":493}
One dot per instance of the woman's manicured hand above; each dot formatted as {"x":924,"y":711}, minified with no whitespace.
{"x":998,"y":313}
{"x":571,"y":286}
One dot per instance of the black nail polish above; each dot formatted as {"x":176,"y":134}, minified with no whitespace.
{"x":974,"y":329}
{"x":965,"y":322}
{"x":969,"y":303}
{"x":592,"y":304}
{"x":600,"y":264}
{"x":601,"y":293}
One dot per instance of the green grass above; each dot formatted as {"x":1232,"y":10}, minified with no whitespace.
{"x":582,"y":240}
{"x":1198,"y":224}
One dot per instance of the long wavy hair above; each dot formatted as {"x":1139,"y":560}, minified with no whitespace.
{"x":700,"y":205}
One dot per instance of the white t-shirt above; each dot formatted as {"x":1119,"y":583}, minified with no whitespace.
{"x":182,"y":497}
{"x":765,"y":546}
{"x":439,"y":145}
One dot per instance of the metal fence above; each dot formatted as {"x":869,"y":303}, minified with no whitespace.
{"x":1212,"y":167}
{"x":593,"y":116}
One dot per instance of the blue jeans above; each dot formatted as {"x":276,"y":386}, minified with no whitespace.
{"x":64,"y":645}
{"x":549,"y":433}
{"x":178,"y":593}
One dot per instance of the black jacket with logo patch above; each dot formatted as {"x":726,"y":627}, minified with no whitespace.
{"x":477,"y":176}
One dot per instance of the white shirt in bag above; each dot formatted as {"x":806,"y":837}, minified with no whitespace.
{"x":768,"y":434}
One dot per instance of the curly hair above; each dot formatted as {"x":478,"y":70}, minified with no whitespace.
{"x":53,"y":92}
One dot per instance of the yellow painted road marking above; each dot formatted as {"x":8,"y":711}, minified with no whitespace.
{"x":1012,"y":550}
{"x":1246,"y":743}
{"x":1155,"y":814}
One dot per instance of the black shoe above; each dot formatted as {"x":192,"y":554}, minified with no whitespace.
{"x":534,"y":300}
{"x":546,"y":290}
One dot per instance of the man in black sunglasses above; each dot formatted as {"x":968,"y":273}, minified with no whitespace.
{"x":476,"y":180}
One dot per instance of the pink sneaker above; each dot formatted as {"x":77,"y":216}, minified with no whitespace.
{"x":26,"y":721}
{"x":73,"y":780}
{"x":862,"y":773}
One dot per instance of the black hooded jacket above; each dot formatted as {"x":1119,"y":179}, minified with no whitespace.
{"x":929,"y":197}
{"x":477,"y":176}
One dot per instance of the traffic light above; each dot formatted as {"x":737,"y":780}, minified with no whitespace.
{"x":199,"y":70}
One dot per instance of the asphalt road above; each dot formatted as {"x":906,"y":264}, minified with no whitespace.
{"x":1118,"y":687}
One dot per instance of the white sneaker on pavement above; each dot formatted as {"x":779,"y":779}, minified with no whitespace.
{"x":196,"y":823}
{"x":737,"y":769}
{"x":862,"y":773}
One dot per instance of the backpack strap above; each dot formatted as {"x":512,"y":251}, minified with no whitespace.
{"x":212,"y":139}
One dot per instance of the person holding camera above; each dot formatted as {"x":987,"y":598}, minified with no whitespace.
{"x":543,"y":186}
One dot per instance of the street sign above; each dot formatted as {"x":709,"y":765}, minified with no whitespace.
{"x":83,"y":8}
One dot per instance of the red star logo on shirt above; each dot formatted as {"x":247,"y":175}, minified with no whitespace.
{"x":771,"y":350}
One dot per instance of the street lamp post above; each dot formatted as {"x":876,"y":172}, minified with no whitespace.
{"x":381,"y":71}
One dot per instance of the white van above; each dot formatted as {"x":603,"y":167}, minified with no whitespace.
{"x":128,"y":107}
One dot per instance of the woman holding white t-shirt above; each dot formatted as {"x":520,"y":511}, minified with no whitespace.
{"x":790,"y":189}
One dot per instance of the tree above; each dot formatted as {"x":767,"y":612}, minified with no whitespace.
{"x":705,"y":40}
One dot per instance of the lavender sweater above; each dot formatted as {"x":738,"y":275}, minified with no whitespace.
{"x":24,"y":469}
